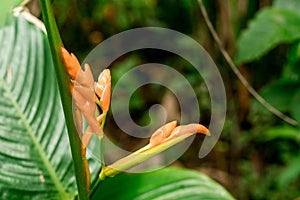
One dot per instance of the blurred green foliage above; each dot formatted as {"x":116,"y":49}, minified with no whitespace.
{"x":273,"y":35}
{"x":257,"y":154}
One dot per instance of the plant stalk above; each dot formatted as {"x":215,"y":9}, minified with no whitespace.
{"x":66,"y":99}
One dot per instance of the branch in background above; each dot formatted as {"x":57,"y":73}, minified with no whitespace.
{"x":231,"y":64}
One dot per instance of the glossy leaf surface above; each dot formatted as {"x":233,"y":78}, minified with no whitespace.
{"x":166,"y":184}
{"x":34,"y":149}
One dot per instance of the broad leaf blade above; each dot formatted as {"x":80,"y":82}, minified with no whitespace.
{"x":165,"y":184}
{"x":269,"y":28}
{"x":34,"y":150}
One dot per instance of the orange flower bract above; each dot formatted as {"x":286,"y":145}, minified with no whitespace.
{"x":71,"y":63}
{"x":82,"y":89}
{"x":103,"y":89}
{"x":163,"y":132}
{"x":170,"y":131}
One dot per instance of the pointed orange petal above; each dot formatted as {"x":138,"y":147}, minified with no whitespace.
{"x":104,"y":79}
{"x":187,"y":129}
{"x":203,"y":129}
{"x":87,"y":136}
{"x":103,"y":89}
{"x":75,"y":60}
{"x":86,"y":93}
{"x":105,"y":101}
{"x":88,"y":111}
{"x":89,"y":75}
{"x":71,"y":63}
{"x":85,"y":77}
{"x":92,"y":122}
{"x":79,"y":100}
{"x":162,"y":133}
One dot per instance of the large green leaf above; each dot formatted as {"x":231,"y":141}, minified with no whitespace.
{"x":6,"y":9}
{"x":280,"y":94}
{"x":270,"y":27}
{"x":165,"y":184}
{"x":34,"y":149}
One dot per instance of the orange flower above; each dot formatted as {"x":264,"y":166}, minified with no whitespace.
{"x":72,"y":65}
{"x":162,"y":139}
{"x":82,"y":89}
{"x":170,"y":131}
{"x":103,"y":89}
{"x":163,"y":132}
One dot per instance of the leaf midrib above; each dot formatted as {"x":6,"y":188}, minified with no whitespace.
{"x":62,"y":193}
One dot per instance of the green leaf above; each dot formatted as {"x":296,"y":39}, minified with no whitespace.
{"x":290,"y":173}
{"x":293,"y":5}
{"x":280,"y":94}
{"x":165,"y":184}
{"x":291,"y":71}
{"x":281,"y":132}
{"x":6,"y":9}
{"x":34,"y":149}
{"x":295,"y":106}
{"x":270,"y":27}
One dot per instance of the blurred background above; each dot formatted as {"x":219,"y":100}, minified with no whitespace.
{"x":257,"y":156}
